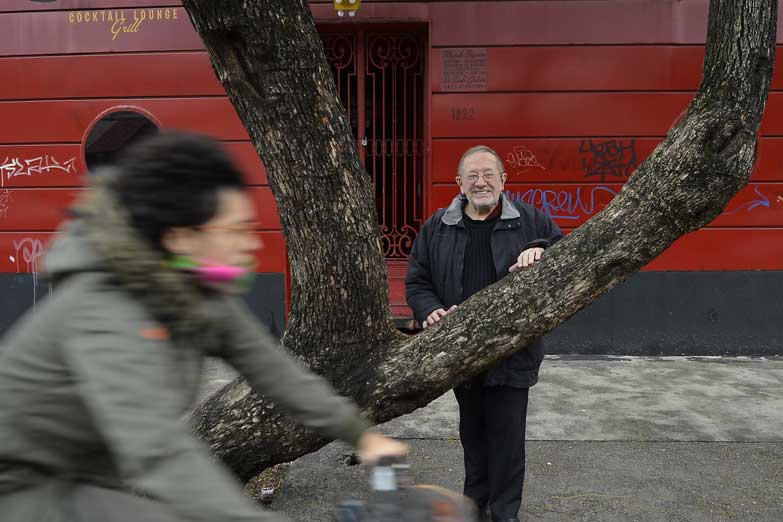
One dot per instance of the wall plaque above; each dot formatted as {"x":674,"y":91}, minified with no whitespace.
{"x":464,"y":70}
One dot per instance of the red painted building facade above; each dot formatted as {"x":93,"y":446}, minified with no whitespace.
{"x":574,"y":96}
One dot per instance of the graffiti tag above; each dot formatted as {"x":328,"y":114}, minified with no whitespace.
{"x":760,"y":201}
{"x":14,"y":167}
{"x":582,"y":202}
{"x":31,"y":251}
{"x":5,"y":202}
{"x":564,"y":204}
{"x":522,"y":158}
{"x":608,"y":159}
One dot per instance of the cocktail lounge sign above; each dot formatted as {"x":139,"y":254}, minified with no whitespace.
{"x":124,"y":21}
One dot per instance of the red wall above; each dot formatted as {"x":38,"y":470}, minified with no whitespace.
{"x":549,"y":84}
{"x":63,"y":74}
{"x":574,"y":95}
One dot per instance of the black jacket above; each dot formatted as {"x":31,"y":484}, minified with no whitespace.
{"x":434,"y":278}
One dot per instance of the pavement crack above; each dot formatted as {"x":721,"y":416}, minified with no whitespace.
{"x":588,"y":495}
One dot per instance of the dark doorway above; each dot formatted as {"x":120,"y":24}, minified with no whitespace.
{"x":380,"y":76}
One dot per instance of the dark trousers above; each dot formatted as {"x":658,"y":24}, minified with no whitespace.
{"x":492,"y":431}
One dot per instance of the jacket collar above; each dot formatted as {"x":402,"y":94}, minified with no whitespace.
{"x":453,"y":214}
{"x":169,"y":295}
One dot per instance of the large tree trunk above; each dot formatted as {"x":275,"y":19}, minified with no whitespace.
{"x":271,"y":62}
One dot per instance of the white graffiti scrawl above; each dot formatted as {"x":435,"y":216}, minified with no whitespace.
{"x":522,"y":159}
{"x":14,"y":167}
{"x":5,"y":202}
{"x":29,"y":251}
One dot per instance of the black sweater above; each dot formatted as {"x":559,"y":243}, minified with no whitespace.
{"x":479,"y":268}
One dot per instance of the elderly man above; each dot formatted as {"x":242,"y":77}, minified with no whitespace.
{"x":478,"y":239}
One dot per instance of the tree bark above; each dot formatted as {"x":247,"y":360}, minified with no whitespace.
{"x":269,"y":57}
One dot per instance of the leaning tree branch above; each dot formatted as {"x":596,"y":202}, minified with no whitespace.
{"x":270,"y":60}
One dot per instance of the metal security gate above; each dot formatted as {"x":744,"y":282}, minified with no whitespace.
{"x":380,"y":78}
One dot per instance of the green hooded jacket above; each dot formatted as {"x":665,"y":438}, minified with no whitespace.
{"x":93,"y":384}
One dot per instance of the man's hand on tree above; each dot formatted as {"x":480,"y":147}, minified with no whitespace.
{"x":527,"y":258}
{"x":437,"y":315}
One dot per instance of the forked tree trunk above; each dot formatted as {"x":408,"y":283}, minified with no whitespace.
{"x":269,"y":57}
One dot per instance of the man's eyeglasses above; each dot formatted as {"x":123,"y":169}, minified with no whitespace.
{"x":473,"y":177}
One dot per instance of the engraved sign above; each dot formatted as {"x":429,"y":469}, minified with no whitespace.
{"x":464,"y":70}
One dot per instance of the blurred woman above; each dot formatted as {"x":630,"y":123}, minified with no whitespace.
{"x":93,"y":384}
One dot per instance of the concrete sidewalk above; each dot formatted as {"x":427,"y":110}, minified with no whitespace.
{"x":610,"y":439}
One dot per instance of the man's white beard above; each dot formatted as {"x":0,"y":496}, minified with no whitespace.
{"x":486,"y":206}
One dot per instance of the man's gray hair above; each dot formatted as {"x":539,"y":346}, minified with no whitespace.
{"x":475,"y":150}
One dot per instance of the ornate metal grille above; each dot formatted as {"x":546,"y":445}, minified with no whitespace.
{"x":341,"y":49}
{"x":380,"y":77}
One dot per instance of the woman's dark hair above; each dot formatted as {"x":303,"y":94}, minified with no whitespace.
{"x":172,"y":179}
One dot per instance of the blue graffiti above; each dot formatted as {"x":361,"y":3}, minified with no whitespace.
{"x":762,"y":201}
{"x":563,"y":204}
{"x":580,"y":202}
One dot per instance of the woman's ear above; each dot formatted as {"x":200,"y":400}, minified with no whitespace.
{"x":179,"y":241}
